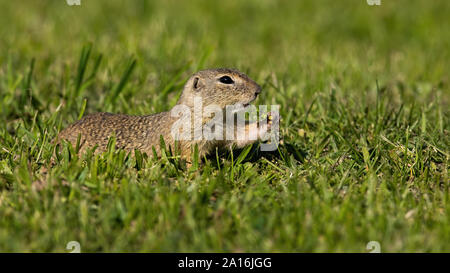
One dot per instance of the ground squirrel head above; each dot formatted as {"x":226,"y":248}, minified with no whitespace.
{"x":219,"y":87}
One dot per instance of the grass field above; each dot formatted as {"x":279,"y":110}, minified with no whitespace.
{"x":364,"y":96}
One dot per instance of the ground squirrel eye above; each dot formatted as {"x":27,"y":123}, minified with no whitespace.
{"x":226,"y":80}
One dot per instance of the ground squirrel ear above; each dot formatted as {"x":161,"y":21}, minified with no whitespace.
{"x":196,"y":83}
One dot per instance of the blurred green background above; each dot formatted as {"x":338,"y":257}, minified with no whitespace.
{"x":360,"y":81}
{"x":307,"y":43}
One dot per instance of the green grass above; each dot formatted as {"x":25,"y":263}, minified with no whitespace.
{"x":364,"y":96}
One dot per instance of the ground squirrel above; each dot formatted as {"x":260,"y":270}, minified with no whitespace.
{"x":219,"y":87}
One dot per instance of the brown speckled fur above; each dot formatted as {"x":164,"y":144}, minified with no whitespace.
{"x":143,"y":132}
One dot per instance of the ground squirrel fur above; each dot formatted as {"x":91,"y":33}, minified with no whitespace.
{"x":220,"y":87}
